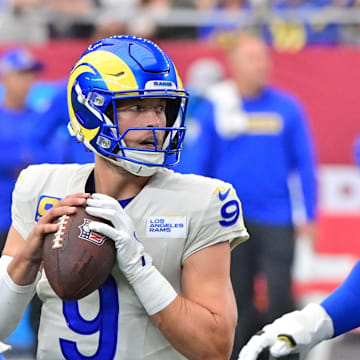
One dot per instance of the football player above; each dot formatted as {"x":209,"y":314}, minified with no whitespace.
{"x":300,"y":331}
{"x":169,"y":295}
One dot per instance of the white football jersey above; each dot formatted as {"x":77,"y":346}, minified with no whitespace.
{"x":175,"y":216}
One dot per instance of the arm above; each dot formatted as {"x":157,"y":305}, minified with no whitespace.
{"x":342,"y":302}
{"x":303,"y":160}
{"x":300,"y":331}
{"x":20,"y":264}
{"x":200,"y":324}
{"x":295,"y":332}
{"x":205,"y":314}
{"x":27,"y":255}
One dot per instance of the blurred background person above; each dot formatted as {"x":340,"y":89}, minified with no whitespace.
{"x":256,"y":136}
{"x":18,"y":69}
{"x":18,"y":149}
{"x":223,"y":17}
{"x":200,"y":75}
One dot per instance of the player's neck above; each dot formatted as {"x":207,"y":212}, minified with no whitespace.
{"x":114,"y":181}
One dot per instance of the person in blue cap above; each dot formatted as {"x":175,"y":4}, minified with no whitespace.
{"x":18,"y":68}
{"x":18,"y":72}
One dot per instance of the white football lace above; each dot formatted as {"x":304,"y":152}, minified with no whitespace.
{"x":59,"y":235}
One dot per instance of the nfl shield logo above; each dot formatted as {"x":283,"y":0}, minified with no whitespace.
{"x":87,"y":234}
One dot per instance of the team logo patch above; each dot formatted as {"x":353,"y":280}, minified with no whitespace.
{"x":87,"y":234}
{"x":166,"y":226}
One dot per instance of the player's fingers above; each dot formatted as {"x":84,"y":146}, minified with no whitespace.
{"x":4,"y":347}
{"x":249,"y":353}
{"x":67,"y":205}
{"x":55,"y":212}
{"x":104,"y":201}
{"x":104,"y":229}
{"x":43,"y":229}
{"x":78,"y":199}
{"x":106,"y":214}
{"x":104,"y":204}
{"x":283,"y":346}
{"x":255,"y":346}
{"x":99,"y":196}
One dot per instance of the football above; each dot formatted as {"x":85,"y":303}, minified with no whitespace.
{"x":77,"y":261}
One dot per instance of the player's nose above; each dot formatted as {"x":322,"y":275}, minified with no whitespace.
{"x":154,"y":118}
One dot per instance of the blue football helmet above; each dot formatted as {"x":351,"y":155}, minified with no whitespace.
{"x":125,"y":67}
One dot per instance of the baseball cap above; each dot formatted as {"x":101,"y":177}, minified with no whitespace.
{"x":19,"y":59}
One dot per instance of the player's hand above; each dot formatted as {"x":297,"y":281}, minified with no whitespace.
{"x":130,"y":252}
{"x":4,"y":347}
{"x":46,"y":225}
{"x":295,"y":332}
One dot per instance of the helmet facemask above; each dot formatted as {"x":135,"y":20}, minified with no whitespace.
{"x":111,"y":144}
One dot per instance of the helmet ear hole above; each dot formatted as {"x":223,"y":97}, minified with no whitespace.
{"x":109,"y":113}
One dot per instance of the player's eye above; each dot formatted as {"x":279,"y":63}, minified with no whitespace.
{"x":160,"y":109}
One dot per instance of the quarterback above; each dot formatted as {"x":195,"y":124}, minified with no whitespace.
{"x":169,"y":295}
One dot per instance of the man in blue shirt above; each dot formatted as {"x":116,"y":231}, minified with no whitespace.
{"x":255,"y":136}
{"x":17,"y":70}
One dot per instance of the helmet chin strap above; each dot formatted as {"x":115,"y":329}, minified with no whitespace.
{"x":131,"y":167}
{"x":138,"y":169}
{"x":144,"y":157}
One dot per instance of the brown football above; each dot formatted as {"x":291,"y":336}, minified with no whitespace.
{"x":77,"y":261}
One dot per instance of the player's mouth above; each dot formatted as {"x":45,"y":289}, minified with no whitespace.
{"x":149,"y":143}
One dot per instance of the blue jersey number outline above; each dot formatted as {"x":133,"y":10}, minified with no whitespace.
{"x":106,"y":322}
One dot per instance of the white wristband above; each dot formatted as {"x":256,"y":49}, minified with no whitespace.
{"x":13,"y":300}
{"x":153,"y":290}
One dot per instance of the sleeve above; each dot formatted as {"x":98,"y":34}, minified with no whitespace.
{"x":221,"y":221}
{"x":343,"y":305}
{"x":22,"y":213}
{"x":303,"y":160}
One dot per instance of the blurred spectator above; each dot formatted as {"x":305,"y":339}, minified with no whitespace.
{"x":71,"y":18}
{"x":107,"y":28}
{"x":350,"y":33}
{"x":205,"y":5}
{"x":255,"y":136}
{"x":223,"y":19}
{"x":293,"y":36}
{"x":52,"y":133}
{"x":201,"y":74}
{"x":29,"y":137}
{"x":357,"y":151}
{"x":58,"y":18}
{"x":17,"y":70}
{"x":150,"y":21}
